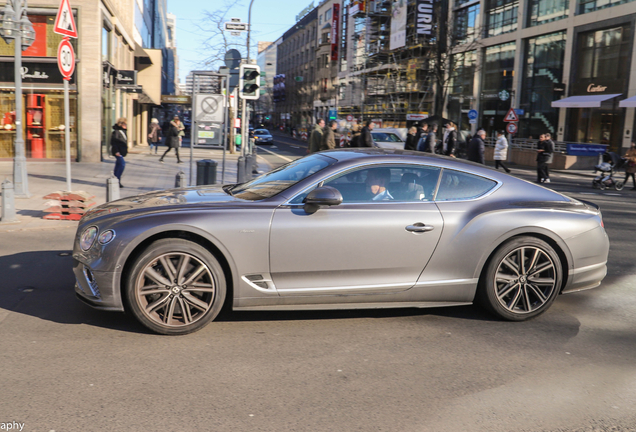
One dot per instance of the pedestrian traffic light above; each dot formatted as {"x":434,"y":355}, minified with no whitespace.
{"x":249,"y":81}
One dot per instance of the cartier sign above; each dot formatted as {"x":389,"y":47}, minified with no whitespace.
{"x":593,"y":88}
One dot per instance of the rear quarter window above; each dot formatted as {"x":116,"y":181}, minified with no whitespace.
{"x":456,"y":185}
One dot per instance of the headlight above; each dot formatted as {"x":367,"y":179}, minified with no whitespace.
{"x":88,"y":238}
{"x":106,"y":237}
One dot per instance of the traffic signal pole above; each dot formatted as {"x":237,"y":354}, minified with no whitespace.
{"x":244,"y":115}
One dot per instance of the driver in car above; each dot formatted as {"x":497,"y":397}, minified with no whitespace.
{"x":376,"y":184}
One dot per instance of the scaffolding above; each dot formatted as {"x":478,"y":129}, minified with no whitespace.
{"x":395,"y":82}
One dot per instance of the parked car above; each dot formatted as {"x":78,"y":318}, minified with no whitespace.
{"x":262,"y":136}
{"x":390,"y":138}
{"x":313,"y":235}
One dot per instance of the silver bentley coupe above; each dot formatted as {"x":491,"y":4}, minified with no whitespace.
{"x":341,"y":229}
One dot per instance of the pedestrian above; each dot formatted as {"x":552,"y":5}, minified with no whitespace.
{"x":428,"y":142}
{"x":172,"y":140}
{"x":328,"y":137}
{"x":154,"y":137}
{"x":477,"y":148}
{"x":501,"y":150}
{"x":356,"y":131}
{"x":630,"y":167}
{"x":545,"y":149}
{"x":366,"y":139}
{"x":119,"y":147}
{"x":411,"y":143}
{"x":450,"y":140}
{"x":315,"y":139}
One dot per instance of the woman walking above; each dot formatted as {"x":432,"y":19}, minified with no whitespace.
{"x":501,"y":151}
{"x":119,"y":147}
{"x":630,"y":167}
{"x":155,"y":135}
{"x":411,"y":139}
{"x":173,"y":139}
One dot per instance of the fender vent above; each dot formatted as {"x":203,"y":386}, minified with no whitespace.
{"x":259,"y":281}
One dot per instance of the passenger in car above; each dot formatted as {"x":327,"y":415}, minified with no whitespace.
{"x":377,"y":181}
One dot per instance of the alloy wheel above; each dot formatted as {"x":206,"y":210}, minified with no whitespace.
{"x":525,"y":280}
{"x":175,"y":289}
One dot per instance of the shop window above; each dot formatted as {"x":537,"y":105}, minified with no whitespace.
{"x":501,"y":17}
{"x":542,"y":69}
{"x":545,"y":11}
{"x":586,"y":6}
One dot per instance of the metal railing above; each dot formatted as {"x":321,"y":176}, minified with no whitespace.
{"x":531,"y":144}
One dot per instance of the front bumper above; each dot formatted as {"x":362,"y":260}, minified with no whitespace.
{"x":97,"y":289}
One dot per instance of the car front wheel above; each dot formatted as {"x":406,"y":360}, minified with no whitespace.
{"x":175,"y":287}
{"x":522,"y":279}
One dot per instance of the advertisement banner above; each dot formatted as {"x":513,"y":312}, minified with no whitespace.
{"x":335,"y":31}
{"x":424,"y":17}
{"x":398,"y":24}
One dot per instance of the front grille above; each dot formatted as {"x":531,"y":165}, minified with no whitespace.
{"x":92,"y":283}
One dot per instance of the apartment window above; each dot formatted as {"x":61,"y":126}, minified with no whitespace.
{"x":501,"y":17}
{"x":466,"y":22}
{"x":586,"y":6}
{"x":105,"y":44}
{"x":326,"y":38}
{"x":328,"y":15}
{"x":545,"y":11}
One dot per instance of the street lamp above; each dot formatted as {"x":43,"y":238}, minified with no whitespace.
{"x":17,"y":27}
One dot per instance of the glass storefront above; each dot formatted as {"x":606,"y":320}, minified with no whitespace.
{"x":602,"y":67}
{"x":542,"y":70}
{"x":496,"y":93}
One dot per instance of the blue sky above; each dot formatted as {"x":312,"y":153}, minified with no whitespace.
{"x":270,"y":19}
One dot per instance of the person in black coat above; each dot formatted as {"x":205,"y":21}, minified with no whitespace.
{"x":119,"y":147}
{"x":477,"y":148}
{"x":545,"y":149}
{"x":366,"y":140}
{"x":450,"y":140}
{"x":411,"y":139}
{"x":172,"y":139}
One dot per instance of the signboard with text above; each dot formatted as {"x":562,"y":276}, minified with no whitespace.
{"x":335,"y":35}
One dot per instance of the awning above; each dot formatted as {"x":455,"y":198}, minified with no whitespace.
{"x":142,"y":55}
{"x":588,"y":101}
{"x":628,"y":103}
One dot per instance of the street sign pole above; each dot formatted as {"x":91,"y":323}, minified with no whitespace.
{"x":66,"y":64}
{"x":67,"y":136}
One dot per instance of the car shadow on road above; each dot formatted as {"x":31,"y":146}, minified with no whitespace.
{"x":41,"y":284}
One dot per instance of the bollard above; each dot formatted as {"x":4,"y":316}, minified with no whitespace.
{"x":249,"y":166}
{"x":112,"y":189}
{"x":240,"y":170}
{"x":8,"y":202}
{"x":180,"y":180}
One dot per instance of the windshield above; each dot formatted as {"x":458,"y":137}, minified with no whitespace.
{"x":261,"y":132}
{"x":282,"y":178}
{"x":385,"y":137}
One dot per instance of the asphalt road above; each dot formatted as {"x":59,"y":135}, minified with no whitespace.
{"x":66,"y":367}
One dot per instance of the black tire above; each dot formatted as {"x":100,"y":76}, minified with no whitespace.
{"x":175,"y":287}
{"x":619,"y":185}
{"x":519,"y":292}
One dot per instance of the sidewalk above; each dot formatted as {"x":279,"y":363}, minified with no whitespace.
{"x":143,"y":173}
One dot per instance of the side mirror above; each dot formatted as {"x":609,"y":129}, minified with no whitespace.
{"x":322,"y":196}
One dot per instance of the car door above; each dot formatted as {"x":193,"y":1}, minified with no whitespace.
{"x":361,"y":245}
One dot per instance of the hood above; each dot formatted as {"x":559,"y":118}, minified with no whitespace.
{"x":163,"y":200}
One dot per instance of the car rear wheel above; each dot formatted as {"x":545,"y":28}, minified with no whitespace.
{"x":175,"y":287}
{"x":521,"y":280}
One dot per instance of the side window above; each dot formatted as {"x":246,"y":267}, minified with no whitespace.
{"x":398,"y":183}
{"x":457,"y":185}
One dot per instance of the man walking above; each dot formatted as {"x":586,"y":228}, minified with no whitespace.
{"x":366,"y":139}
{"x":329,"y":138}
{"x":501,"y":151}
{"x":428,"y":142}
{"x":545,"y":150}
{"x":477,"y":148}
{"x":315,"y":139}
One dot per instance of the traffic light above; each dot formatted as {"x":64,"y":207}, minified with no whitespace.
{"x":249,"y":81}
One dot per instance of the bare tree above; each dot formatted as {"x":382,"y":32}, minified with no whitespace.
{"x":217,"y":40}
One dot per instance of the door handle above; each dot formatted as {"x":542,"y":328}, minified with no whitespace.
{"x":420,"y":228}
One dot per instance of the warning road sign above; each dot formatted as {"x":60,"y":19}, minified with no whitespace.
{"x":64,"y":22}
{"x":511,"y":116}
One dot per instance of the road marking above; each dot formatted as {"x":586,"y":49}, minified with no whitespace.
{"x":614,"y":194}
{"x":276,"y":154}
